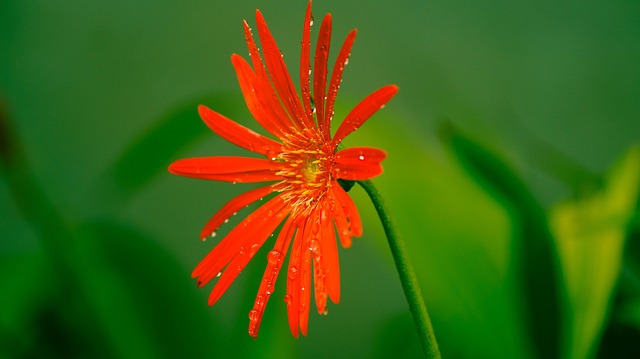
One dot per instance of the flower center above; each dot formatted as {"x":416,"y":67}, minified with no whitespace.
{"x":308,"y":174}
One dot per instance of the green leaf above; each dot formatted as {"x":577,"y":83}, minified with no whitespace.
{"x":154,"y":149}
{"x":534,"y":248}
{"x":591,"y":234}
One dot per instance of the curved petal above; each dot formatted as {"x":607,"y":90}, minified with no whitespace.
{"x":252,"y":243}
{"x":367,"y":107}
{"x":292,"y":298}
{"x":358,"y":163}
{"x":238,"y":134}
{"x":232,"y":207}
{"x":350,"y":210}
{"x":305,"y":67}
{"x":243,"y":240}
{"x":340,"y":219}
{"x":316,"y":247}
{"x":279,"y":73}
{"x":228,"y":169}
{"x":305,"y":279}
{"x":329,"y":258}
{"x":320,"y":75}
{"x":275,"y":258}
{"x":266,"y":93}
{"x":269,"y":115}
{"x":336,"y":76}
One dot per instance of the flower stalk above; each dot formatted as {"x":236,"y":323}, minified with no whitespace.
{"x":406,"y":273}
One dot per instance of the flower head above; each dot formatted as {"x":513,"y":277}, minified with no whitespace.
{"x":302,"y":166}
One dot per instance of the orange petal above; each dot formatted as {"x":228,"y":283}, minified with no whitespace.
{"x":280,"y":75}
{"x":350,"y":211}
{"x":252,"y":244}
{"x":340,"y":218}
{"x":358,"y":163}
{"x":268,"y":114}
{"x":292,"y":298}
{"x":265,"y":91}
{"x":305,"y":67}
{"x":305,"y":280}
{"x":320,"y":74}
{"x":316,"y":247}
{"x":227,"y":168}
{"x":330,"y":254}
{"x":238,"y":134}
{"x":231,"y":207}
{"x":275,"y":258}
{"x":365,"y":109}
{"x":336,"y":75}
{"x":236,"y":242}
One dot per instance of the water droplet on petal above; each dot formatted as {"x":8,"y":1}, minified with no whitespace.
{"x":287,"y":298}
{"x":293,"y":273}
{"x":253,"y":315}
{"x":218,"y":275}
{"x":254,"y":249}
{"x":213,"y":234}
{"x":313,"y":245}
{"x":361,"y":157}
{"x":274,"y":257}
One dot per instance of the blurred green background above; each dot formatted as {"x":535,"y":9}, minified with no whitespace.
{"x":511,"y":172}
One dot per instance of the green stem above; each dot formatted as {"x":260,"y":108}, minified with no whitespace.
{"x":407,"y":275}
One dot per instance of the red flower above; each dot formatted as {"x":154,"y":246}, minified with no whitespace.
{"x":303,"y":166}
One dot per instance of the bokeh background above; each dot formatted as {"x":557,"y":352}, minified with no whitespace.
{"x":511,"y":172}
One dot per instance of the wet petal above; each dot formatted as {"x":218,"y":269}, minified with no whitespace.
{"x":316,"y":247}
{"x":238,"y":134}
{"x":268,"y":114}
{"x":358,"y":163}
{"x":293,"y":283}
{"x":340,"y":219}
{"x":320,"y":75}
{"x":305,"y":67}
{"x":305,"y":279}
{"x":329,"y":258}
{"x":336,"y":76}
{"x":231,"y":207}
{"x":252,"y":244}
{"x":275,"y":258}
{"x":239,"y":246}
{"x":365,"y":109}
{"x":350,"y":210}
{"x":229,"y":169}
{"x":280,"y":75}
